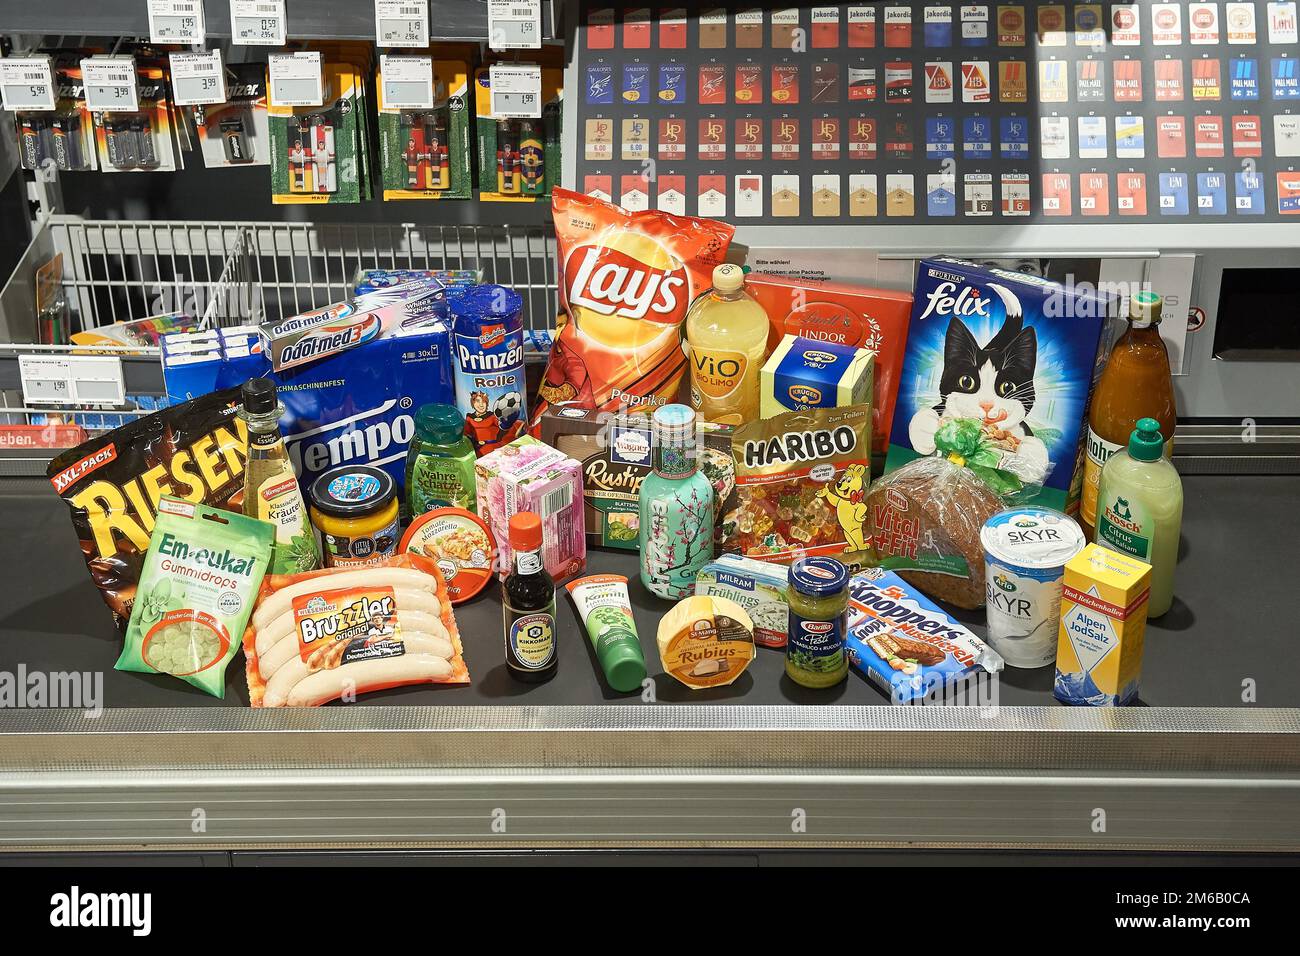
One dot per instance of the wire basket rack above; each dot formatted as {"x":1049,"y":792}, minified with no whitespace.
{"x":234,"y":273}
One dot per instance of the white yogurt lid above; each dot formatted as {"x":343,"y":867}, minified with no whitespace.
{"x":1032,"y":537}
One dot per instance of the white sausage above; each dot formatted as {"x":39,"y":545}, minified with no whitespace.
{"x":410,"y":622}
{"x":324,"y":686}
{"x":405,"y":599}
{"x":294,"y":670}
{"x":282,"y":600}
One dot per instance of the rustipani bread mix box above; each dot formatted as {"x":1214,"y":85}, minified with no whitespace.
{"x":996,"y":378}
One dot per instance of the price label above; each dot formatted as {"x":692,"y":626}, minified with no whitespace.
{"x":408,"y":82}
{"x":176,"y":21}
{"x":198,"y":79}
{"x":401,"y":23}
{"x":516,"y":90}
{"x":295,"y":79}
{"x":110,"y":83}
{"x":257,"y":22}
{"x":27,"y":83}
{"x":71,"y":379}
{"x":514,"y":24}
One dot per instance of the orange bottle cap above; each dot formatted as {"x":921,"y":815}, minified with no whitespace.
{"x":525,"y":531}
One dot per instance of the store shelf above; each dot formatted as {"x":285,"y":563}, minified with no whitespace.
{"x":1202,"y":765}
{"x":308,"y":19}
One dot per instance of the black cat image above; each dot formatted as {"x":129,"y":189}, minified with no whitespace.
{"x":993,"y":384}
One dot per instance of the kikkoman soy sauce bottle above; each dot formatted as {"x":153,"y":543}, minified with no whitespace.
{"x":528,"y":605}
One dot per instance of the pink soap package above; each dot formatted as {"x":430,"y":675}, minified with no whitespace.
{"x":528,"y":475}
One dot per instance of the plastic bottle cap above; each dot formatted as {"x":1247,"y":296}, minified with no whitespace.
{"x":1146,"y":442}
{"x":624,"y":667}
{"x":728,"y":278}
{"x":525,"y":531}
{"x":1144,"y":308}
{"x":439,"y":424}
{"x":258,"y":396}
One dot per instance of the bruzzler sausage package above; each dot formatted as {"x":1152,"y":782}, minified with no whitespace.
{"x":335,"y":633}
{"x":201,"y":575}
{"x":195,"y":450}
{"x":801,"y":486}
{"x":626,"y":282}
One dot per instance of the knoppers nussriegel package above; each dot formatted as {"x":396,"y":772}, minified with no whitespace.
{"x":996,"y":378}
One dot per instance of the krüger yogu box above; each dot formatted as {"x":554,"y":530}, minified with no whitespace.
{"x":1103,"y":622}
{"x":996,"y":377}
{"x":804,"y":373}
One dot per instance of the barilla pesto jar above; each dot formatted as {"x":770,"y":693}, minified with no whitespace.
{"x":814,"y":653}
{"x":355,"y":510}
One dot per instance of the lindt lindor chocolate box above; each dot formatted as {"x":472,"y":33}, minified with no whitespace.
{"x":615,"y":453}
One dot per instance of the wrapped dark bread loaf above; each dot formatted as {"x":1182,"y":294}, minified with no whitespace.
{"x":924,"y":523}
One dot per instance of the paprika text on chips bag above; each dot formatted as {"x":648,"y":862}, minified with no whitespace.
{"x":626,"y":281}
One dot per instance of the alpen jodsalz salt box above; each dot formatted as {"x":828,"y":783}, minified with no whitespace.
{"x":997,"y":376}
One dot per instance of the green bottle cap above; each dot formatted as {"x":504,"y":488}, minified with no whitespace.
{"x":439,"y":424}
{"x":624,"y":666}
{"x":1144,"y":309}
{"x":1146,"y":442}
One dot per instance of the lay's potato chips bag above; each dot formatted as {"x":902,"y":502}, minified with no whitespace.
{"x":626,"y":282}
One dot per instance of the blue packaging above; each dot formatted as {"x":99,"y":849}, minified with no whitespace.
{"x":906,"y":645}
{"x":939,"y":137}
{"x":1173,"y":194}
{"x":1244,"y":80}
{"x":1015,"y":137}
{"x":1212,"y":194}
{"x":372,"y":280}
{"x":672,"y":83}
{"x":488,"y":364}
{"x":358,"y":406}
{"x":600,"y":85}
{"x":996,"y":375}
{"x":977,"y":137}
{"x":636,"y":82}
{"x":1250,"y":194}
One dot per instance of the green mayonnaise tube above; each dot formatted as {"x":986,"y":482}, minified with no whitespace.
{"x":606,"y":613}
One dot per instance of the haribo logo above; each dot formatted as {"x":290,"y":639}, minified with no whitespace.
{"x":800,"y":446}
{"x":969,"y":301}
